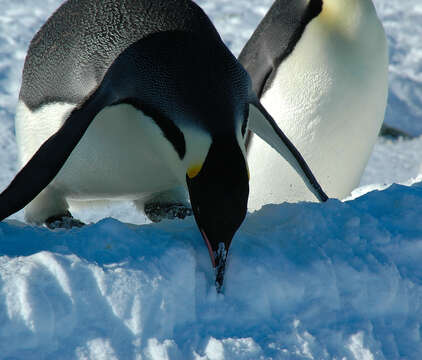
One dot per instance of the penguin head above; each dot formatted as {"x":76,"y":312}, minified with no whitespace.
{"x":219,"y":190}
{"x":348,"y":17}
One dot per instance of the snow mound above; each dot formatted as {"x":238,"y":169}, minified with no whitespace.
{"x":304,"y":281}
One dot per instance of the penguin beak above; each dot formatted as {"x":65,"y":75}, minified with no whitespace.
{"x":218,"y":258}
{"x":219,"y":196}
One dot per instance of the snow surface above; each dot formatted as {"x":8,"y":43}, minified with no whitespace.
{"x":304,"y":281}
{"x":338,"y":281}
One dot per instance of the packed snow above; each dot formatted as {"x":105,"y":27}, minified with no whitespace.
{"x":340,"y":280}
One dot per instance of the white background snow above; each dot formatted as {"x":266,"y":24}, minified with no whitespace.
{"x":342,"y":280}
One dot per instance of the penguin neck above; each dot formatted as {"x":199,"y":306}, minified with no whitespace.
{"x":198,"y":143}
{"x":346,"y":15}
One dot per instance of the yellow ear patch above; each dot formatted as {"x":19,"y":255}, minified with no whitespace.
{"x":330,"y":14}
{"x":339,"y":15}
{"x":194,"y":170}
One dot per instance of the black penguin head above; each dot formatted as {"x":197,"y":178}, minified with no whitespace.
{"x":219,"y":193}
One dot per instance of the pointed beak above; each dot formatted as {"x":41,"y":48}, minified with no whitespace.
{"x":218,"y":260}
{"x":219,"y":195}
{"x":209,"y":246}
{"x":217,"y":255}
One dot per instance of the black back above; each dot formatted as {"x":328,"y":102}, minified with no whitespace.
{"x":70,"y":55}
{"x":275,"y":38}
{"x":179,"y":78}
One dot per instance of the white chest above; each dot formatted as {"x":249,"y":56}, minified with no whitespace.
{"x":122,"y":155}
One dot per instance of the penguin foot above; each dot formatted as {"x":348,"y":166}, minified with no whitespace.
{"x":63,"y":221}
{"x":394,"y":133}
{"x":157,"y":211}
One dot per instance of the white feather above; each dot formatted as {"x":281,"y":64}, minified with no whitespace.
{"x":122,"y":155}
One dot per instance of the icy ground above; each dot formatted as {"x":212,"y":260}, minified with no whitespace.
{"x":304,"y":281}
{"x":339,"y":281}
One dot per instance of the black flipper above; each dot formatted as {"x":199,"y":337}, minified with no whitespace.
{"x":50,"y":157}
{"x":272,"y":42}
{"x":262,"y":124}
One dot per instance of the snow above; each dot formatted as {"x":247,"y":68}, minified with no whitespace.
{"x":402,"y":21}
{"x":340,"y":280}
{"x":304,"y":281}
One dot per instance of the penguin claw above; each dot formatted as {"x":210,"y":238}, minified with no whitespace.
{"x":157,"y":212}
{"x":63,"y":221}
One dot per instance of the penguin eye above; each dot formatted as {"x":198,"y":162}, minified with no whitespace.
{"x":245,"y":120}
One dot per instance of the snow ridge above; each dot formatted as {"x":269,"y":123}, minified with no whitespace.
{"x":304,"y":281}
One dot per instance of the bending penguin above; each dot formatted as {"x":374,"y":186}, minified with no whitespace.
{"x":138,"y":100}
{"x":320,"y":69}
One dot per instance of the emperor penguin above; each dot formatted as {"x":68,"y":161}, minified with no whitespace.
{"x":139,"y":100}
{"x":320,"y":68}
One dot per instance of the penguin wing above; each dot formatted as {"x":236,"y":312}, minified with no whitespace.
{"x":50,"y":157}
{"x":275,"y":38}
{"x":262,"y":124}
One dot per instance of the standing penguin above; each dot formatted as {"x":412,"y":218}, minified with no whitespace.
{"x":320,"y":68}
{"x":125,"y":99}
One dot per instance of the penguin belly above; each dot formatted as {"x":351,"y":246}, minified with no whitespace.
{"x":122,"y":155}
{"x":329,"y":97}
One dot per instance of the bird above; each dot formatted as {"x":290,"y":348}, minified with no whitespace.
{"x":138,"y":100}
{"x":320,"y":68}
